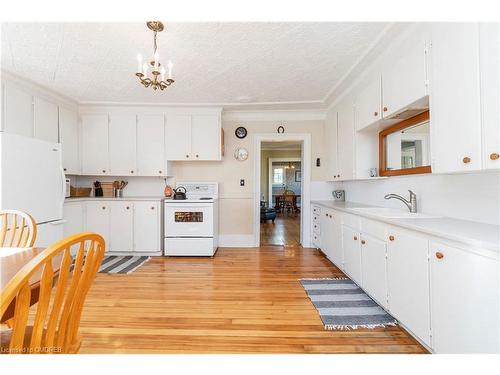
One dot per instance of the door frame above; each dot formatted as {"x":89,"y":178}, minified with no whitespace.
{"x":305,"y":211}
{"x":270,"y":174}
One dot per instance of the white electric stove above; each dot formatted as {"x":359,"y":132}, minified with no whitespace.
{"x":192,"y":225}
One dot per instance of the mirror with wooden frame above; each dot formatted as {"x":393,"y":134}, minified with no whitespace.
{"x":404,"y":148}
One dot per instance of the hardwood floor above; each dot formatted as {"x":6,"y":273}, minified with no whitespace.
{"x":285,"y":231}
{"x":240,"y":301}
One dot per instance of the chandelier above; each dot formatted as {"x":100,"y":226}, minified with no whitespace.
{"x":157,"y":79}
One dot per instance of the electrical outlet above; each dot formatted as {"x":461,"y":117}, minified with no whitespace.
{"x":242,"y":182}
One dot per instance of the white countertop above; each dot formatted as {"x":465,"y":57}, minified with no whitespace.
{"x":137,"y":198}
{"x":478,"y":235}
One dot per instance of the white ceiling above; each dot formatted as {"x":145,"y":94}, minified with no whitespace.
{"x":214,"y":63}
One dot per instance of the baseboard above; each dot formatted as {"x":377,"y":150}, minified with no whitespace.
{"x":236,"y":240}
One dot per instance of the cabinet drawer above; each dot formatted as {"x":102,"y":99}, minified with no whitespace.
{"x":317,"y":228}
{"x":316,"y":210}
{"x":374,"y":228}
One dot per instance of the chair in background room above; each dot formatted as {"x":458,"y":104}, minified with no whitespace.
{"x":289,"y":201}
{"x":17,"y":229}
{"x":61,"y":297}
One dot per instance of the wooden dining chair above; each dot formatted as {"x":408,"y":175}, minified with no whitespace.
{"x":289,"y":201}
{"x":17,"y":229}
{"x":56,"y":319}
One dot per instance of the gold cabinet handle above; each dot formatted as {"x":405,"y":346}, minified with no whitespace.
{"x":103,"y":171}
{"x":391,"y":238}
{"x":355,"y":238}
{"x":466,"y":160}
{"x":187,"y":156}
{"x":363,"y":242}
{"x":494,"y":156}
{"x":132,"y":171}
{"x":197,"y":155}
{"x":159,"y":172}
{"x":439,"y":255}
{"x":375,"y":113}
{"x":128,"y":208}
{"x":152,"y":207}
{"x":385,"y":109}
{"x":103,"y":207}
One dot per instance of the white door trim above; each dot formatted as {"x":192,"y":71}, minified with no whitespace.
{"x":270,"y":174}
{"x":305,"y":211}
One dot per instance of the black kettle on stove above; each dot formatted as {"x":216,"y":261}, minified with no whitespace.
{"x":180,"y":193}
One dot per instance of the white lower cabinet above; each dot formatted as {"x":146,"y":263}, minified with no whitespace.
{"x":464,"y":300}
{"x":127,"y":226}
{"x":97,"y":219}
{"x":73,"y":216}
{"x":373,"y":260}
{"x":337,"y":252}
{"x":121,"y":228}
{"x":408,"y":281}
{"x":352,"y":253}
{"x":147,"y":226}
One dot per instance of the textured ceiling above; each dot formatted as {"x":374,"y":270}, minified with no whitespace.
{"x":214,"y":63}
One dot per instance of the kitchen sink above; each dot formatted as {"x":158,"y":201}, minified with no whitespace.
{"x":391,"y":213}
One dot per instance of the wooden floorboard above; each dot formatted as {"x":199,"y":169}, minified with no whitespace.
{"x":240,"y":301}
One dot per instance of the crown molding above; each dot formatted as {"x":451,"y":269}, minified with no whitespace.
{"x":275,"y":115}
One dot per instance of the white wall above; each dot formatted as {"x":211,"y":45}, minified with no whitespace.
{"x":473,"y":196}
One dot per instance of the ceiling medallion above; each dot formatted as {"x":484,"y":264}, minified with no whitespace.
{"x":157,"y":79}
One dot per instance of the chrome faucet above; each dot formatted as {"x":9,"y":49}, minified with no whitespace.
{"x":411,"y":204}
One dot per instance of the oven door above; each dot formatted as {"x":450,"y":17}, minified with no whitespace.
{"x":189,"y":220}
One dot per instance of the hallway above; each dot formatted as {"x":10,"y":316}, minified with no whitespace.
{"x":284,"y":232}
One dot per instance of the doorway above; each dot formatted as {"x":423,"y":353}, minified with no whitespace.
{"x":282,"y":190}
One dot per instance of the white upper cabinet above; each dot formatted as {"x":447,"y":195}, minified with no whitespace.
{"x":490,"y":97}
{"x":368,"y":103}
{"x":455,"y":108}
{"x":69,"y":138}
{"x":331,"y":142}
{"x":408,"y":281}
{"x":464,"y":291}
{"x":45,"y":120}
{"x":206,"y":137}
{"x":345,"y":145}
{"x":17,"y":111}
{"x":151,"y":145}
{"x":404,"y":76}
{"x":178,"y":137}
{"x":122,"y":145}
{"x":95,"y":154}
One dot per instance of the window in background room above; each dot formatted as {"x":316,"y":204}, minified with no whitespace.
{"x":278,"y":176}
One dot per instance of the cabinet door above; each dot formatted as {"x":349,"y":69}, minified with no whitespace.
{"x":122,"y":145}
{"x":490,"y":96}
{"x":326,"y":238}
{"x":151,"y":145}
{"x":97,"y":219}
{"x":346,"y":139}
{"x":335,"y":230}
{"x":73,"y":215}
{"x":404,"y":79}
{"x":464,"y":292}
{"x":95,"y":145}
{"x":68,"y":134}
{"x":147,"y":226}
{"x":121,"y":227}
{"x":205,"y":137}
{"x":45,"y":120}
{"x":408,"y":281}
{"x":368,"y":104}
{"x":18,"y":111}
{"x":178,"y":137}
{"x":455,"y":99}
{"x":331,"y":144}
{"x":373,"y":262}
{"x":352,"y":253}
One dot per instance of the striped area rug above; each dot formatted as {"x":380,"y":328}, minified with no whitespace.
{"x":120,"y":264}
{"x":342,"y":305}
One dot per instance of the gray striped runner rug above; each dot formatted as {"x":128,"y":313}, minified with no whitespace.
{"x":342,"y":305}
{"x":121,"y":264}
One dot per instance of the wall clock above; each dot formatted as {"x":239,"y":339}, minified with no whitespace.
{"x":241,"y":154}
{"x":240,"y":132}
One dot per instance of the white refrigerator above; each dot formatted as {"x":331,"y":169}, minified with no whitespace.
{"x":33,"y":180}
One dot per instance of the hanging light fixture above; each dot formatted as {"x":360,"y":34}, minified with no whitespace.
{"x":290,"y":166}
{"x":157,"y":79}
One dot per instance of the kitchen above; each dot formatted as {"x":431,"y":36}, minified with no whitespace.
{"x":188,"y":207}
